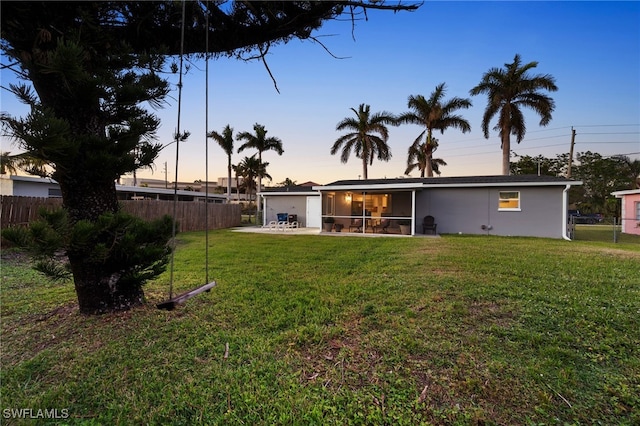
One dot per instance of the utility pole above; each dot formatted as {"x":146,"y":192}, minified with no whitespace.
{"x":573,"y":142}
{"x":165,"y":176}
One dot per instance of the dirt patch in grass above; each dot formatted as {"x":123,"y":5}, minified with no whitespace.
{"x":625,"y":254}
{"x":340,"y":361}
{"x":60,"y":314}
{"x":488,"y":313}
{"x":26,"y":336}
{"x":452,"y":377}
{"x":13,"y":256}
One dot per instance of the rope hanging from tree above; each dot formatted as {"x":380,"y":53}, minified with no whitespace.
{"x":181,"y":298}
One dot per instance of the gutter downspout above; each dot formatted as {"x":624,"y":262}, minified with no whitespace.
{"x":413,"y":213}
{"x":565,"y":201}
{"x":262,"y":213}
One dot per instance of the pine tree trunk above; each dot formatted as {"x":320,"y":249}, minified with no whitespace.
{"x":98,"y":291}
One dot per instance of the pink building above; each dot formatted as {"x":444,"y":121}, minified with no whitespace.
{"x":630,"y":210}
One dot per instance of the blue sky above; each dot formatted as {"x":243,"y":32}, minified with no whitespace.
{"x":591,"y":48}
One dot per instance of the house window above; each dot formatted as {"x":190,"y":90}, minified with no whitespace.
{"x":509,"y":201}
{"x":328,"y":207}
{"x":638,"y":211}
{"x":55,"y":192}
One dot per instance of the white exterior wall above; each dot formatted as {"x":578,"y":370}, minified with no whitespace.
{"x":6,"y":185}
{"x":34,"y":187}
{"x":290,"y":204}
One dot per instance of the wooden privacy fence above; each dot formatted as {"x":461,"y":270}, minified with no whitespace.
{"x":190,"y":215}
{"x":23,"y":210}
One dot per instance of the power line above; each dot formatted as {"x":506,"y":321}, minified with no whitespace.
{"x":607,"y":125}
{"x":611,"y":133}
{"x":547,"y":137}
{"x":607,"y":142}
{"x":559,"y":136}
{"x":620,"y":155}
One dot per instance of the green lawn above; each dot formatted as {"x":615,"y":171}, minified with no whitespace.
{"x":325,"y":330}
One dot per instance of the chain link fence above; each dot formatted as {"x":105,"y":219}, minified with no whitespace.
{"x":608,"y":229}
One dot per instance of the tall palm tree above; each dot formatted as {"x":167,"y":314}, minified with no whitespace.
{"x":417,"y":159}
{"x":261,"y":142}
{"x":362,"y":139}
{"x":225,"y":140}
{"x":434,"y":114}
{"x":509,"y":89}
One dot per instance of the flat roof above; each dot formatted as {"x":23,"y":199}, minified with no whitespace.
{"x":625,"y":192}
{"x":289,"y":190}
{"x":125,"y":188}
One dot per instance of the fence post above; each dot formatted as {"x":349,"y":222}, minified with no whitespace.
{"x":615,"y":236}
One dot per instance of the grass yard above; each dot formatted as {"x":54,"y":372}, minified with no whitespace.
{"x":605,"y":233}
{"x":319,"y":330}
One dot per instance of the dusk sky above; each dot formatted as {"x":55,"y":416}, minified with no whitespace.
{"x":591,"y":48}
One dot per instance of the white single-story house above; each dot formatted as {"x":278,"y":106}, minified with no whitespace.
{"x":519,"y":205}
{"x":301,"y":203}
{"x":630,"y":210}
{"x":29,"y":186}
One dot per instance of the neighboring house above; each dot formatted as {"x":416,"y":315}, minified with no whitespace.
{"x":630,"y":210}
{"x":301,"y":202}
{"x":519,"y":205}
{"x":28,"y":186}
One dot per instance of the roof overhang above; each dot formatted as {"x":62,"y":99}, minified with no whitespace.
{"x":502,"y":184}
{"x":369,"y":187}
{"x":287,"y":193}
{"x":620,"y":194}
{"x":34,"y":179}
{"x":397,"y":186}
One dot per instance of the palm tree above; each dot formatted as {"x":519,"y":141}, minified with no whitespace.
{"x":261,"y":142}
{"x":252,"y":169}
{"x":237,"y":169}
{"x":436,"y":163}
{"x":25,"y":161}
{"x":434,"y":114}
{"x":225,"y":140}
{"x":7,"y":163}
{"x":363,"y":140}
{"x":287,"y":182}
{"x":417,"y":159}
{"x":508,"y":90}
